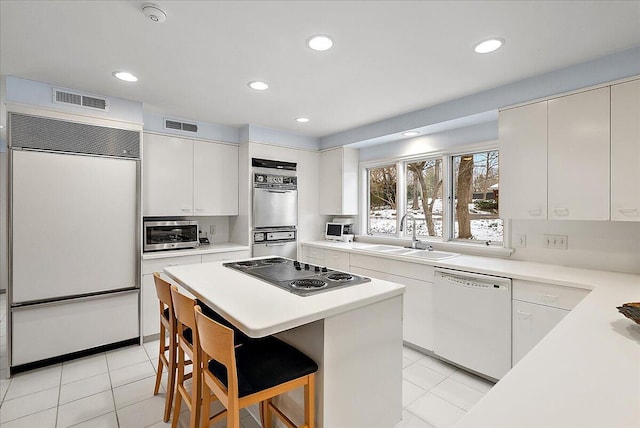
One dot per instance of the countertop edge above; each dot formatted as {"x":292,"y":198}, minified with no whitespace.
{"x":209,"y":249}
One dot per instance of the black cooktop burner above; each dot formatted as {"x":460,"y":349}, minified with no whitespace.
{"x":303,"y":279}
{"x":308,"y":284}
{"x":274,"y":260}
{"x":342,"y":277}
{"x":248,"y":263}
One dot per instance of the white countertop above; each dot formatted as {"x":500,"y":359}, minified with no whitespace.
{"x":260,"y":309}
{"x":585,"y":373}
{"x":203,"y":249}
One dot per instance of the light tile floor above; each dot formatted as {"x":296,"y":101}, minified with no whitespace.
{"x":115,"y":389}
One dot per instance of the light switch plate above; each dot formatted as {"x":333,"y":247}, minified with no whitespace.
{"x":556,"y":242}
{"x":520,"y":241}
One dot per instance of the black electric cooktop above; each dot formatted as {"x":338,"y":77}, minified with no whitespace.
{"x":296,"y":277}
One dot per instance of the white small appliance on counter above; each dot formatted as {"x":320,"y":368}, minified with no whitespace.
{"x":340,"y":229}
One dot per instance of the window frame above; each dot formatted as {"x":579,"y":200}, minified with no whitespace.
{"x":448,"y":181}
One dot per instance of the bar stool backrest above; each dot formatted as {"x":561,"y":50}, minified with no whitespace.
{"x":216,"y":342}
{"x":163,"y":290}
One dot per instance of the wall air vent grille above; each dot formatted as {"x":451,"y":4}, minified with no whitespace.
{"x":81,"y":100}
{"x":180,"y":126}
{"x":40,"y":133}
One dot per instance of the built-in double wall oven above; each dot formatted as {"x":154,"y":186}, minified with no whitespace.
{"x":275,"y":208}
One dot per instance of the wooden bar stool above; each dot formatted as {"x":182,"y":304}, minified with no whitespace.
{"x":167,"y":325}
{"x":253,"y":372}
{"x":187,"y":344}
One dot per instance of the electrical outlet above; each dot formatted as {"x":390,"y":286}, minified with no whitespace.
{"x":521,"y":241}
{"x":212,"y":229}
{"x":557,"y":242}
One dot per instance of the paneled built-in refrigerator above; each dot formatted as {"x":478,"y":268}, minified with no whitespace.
{"x":73,"y":238}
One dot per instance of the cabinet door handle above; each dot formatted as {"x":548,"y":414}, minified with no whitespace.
{"x":629,"y":211}
{"x":174,"y":264}
{"x":186,"y":210}
{"x":524,"y":315}
{"x":535,"y":212}
{"x":199,"y":209}
{"x":561,"y":212}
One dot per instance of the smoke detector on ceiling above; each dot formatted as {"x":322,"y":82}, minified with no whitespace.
{"x":154,"y":13}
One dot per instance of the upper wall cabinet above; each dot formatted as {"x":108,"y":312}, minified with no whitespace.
{"x":183,"y":177}
{"x":625,"y":151}
{"x":215,"y":179}
{"x":167,"y":178}
{"x":523,"y":162}
{"x":339,"y":187}
{"x":578,"y":156}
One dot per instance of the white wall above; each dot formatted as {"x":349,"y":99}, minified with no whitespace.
{"x":603,"y":245}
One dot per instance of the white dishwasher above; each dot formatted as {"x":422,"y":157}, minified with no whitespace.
{"x":473,"y":321}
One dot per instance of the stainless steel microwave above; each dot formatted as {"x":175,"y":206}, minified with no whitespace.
{"x":170,"y":235}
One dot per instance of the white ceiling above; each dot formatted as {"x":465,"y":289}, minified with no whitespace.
{"x":389,"y":57}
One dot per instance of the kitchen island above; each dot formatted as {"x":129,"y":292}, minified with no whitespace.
{"x":353,"y":333}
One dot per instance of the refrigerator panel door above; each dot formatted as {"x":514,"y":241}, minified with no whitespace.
{"x":79,"y":324}
{"x":74,"y":224}
{"x":275,"y":208}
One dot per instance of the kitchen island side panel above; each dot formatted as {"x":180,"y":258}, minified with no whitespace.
{"x":359,"y":355}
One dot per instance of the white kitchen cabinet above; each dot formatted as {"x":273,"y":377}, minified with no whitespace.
{"x":150,"y":310}
{"x":226,"y":256}
{"x":625,"y":151}
{"x":182,"y":177}
{"x":339,"y":187}
{"x":337,"y":260}
{"x":523,"y":162}
{"x":578,"y":156}
{"x":537,"y":309}
{"x":418,"y":297}
{"x":167,"y":178}
{"x":531,"y":323}
{"x":215,"y":179}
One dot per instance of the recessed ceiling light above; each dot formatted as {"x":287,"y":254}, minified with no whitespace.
{"x":1,"y":126}
{"x":302,"y":119}
{"x":258,"y":86}
{"x":320,"y":42}
{"x":125,"y":75}
{"x":489,"y":46}
{"x":410,"y":133}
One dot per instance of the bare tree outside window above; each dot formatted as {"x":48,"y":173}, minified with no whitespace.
{"x":382,"y":199}
{"x":476,"y":214}
{"x":424,"y":196}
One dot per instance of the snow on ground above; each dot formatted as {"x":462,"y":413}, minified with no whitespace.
{"x":384,"y":221}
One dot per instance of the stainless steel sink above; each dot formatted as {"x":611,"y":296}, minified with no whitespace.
{"x":400,"y":251}
{"x":433,"y":255}
{"x":411,"y":252}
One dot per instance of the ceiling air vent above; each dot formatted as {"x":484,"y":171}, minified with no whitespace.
{"x":180,"y":126}
{"x":80,"y":100}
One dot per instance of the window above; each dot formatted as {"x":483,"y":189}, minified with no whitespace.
{"x":424,"y":196}
{"x":475,"y":197}
{"x":450,"y":197}
{"x":382,"y":199}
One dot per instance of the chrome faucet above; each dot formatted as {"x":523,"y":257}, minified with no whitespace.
{"x":414,"y":240}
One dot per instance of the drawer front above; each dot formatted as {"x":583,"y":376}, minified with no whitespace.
{"x":312,"y":253}
{"x":338,"y":260}
{"x":156,"y":265}
{"x":394,"y":267}
{"x":79,"y":325}
{"x":226,"y":256}
{"x":555,"y":296}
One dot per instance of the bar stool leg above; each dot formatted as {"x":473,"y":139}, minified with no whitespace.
{"x":180,"y":381}
{"x":171,"y":381}
{"x":309,"y":401}
{"x":160,"y":362}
